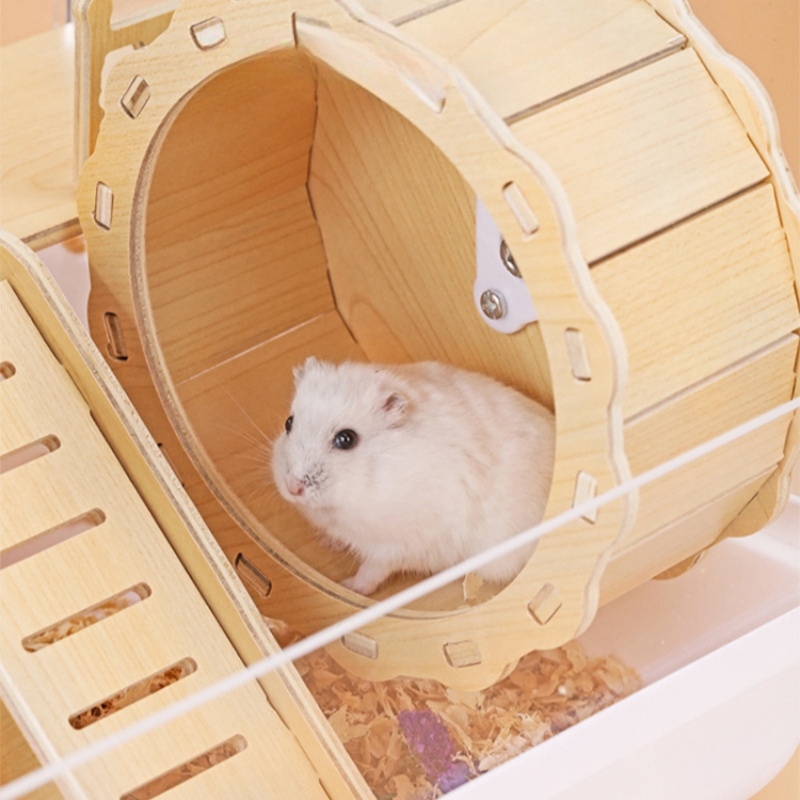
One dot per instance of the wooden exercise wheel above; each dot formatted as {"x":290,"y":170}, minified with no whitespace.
{"x":273,"y":180}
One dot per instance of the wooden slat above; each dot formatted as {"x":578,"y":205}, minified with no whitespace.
{"x":174,"y":622}
{"x":680,"y":492}
{"x":521,"y":54}
{"x":752,"y":387}
{"x":718,"y":287}
{"x":752,"y":52}
{"x":234,"y":255}
{"x":386,"y":197}
{"x":645,"y":558}
{"x":643,"y":152}
{"x":29,"y":413}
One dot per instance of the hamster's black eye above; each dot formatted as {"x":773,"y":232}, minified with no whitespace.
{"x":345,"y":440}
{"x":288,"y":424}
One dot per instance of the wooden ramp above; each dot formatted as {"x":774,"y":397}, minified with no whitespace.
{"x":102,"y":623}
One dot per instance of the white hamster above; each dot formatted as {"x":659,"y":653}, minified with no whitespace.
{"x":414,"y":467}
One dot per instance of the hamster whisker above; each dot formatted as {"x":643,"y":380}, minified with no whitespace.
{"x":266,"y":495}
{"x":248,"y":417}
{"x":254,"y":468}
{"x":258,"y":455}
{"x":254,"y":487}
{"x":244,"y":436}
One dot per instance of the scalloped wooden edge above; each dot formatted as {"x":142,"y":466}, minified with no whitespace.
{"x":95,"y":39}
{"x":754,"y":107}
{"x":576,"y":572}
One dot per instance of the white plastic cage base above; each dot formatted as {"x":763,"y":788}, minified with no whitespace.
{"x":719,"y":716}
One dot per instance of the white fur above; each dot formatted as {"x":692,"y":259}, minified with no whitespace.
{"x":448,"y":463}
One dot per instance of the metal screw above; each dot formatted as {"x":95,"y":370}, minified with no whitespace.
{"x":508,"y":260}
{"x":493,"y":304}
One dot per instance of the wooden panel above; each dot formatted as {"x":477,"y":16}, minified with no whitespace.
{"x":172,"y":623}
{"x":37,"y":180}
{"x":644,"y":151}
{"x":645,"y":558}
{"x":749,"y":99}
{"x":765,"y":38}
{"x":521,"y":54}
{"x":233,"y":254}
{"x":701,"y":296}
{"x":26,"y":417}
{"x":680,"y":492}
{"x":29,"y":413}
{"x":752,"y":387}
{"x":398,"y":223}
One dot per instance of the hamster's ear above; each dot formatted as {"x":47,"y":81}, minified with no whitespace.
{"x":301,"y":368}
{"x":395,"y":408}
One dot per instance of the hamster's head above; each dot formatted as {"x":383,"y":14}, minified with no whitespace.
{"x":337,"y":434}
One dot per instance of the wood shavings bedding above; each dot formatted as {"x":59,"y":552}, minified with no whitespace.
{"x":415,"y":739}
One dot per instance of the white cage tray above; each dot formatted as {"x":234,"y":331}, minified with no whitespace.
{"x":719,"y":716}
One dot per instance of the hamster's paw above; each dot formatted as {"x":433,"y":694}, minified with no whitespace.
{"x":369,"y":577}
{"x":352,"y":583}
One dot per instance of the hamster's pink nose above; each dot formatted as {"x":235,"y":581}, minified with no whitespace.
{"x":295,"y":487}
